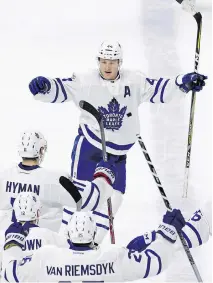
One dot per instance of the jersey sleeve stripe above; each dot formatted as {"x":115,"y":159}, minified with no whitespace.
{"x":67,"y":211}
{"x":75,"y":155}
{"x":101,"y":214}
{"x":14,"y":271}
{"x":5,"y":276}
{"x":62,"y":89}
{"x":98,"y":198}
{"x":187,"y":239}
{"x":64,"y":221}
{"x":57,"y":90}
{"x":195,"y":231}
{"x":89,"y":197}
{"x":78,"y":183}
{"x":162,"y":91}
{"x":102,"y":226}
{"x":156,"y":90}
{"x":149,"y":262}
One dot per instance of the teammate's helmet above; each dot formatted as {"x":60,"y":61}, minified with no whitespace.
{"x":27,"y":207}
{"x":111,"y":51}
{"x":82,"y":228}
{"x":32,"y":145}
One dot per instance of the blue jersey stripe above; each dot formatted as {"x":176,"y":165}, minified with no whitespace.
{"x":14,"y":271}
{"x":98,"y":198}
{"x":62,"y":89}
{"x":78,"y":183}
{"x":156,"y":90}
{"x":64,"y":221}
{"x":73,"y":155}
{"x":108,"y":144}
{"x":89,"y":197}
{"x":57,"y":90}
{"x":195,"y":231}
{"x":102,"y":226}
{"x":68,"y":211}
{"x":5,"y":276}
{"x":101,"y":214}
{"x":162,"y":91}
{"x":187,"y":239}
{"x":147,"y":251}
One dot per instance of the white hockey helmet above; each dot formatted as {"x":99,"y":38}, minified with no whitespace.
{"x":82,"y":228}
{"x":32,"y":145}
{"x":27,"y":207}
{"x":111,"y":51}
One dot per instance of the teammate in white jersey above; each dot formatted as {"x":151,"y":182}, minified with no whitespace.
{"x":29,"y":176}
{"x":27,"y":209}
{"x":116,"y":93}
{"x":145,"y":256}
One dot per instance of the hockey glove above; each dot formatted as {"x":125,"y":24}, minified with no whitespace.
{"x":106,"y":170}
{"x":191,"y":81}
{"x":173,"y":222}
{"x":15,"y":234}
{"x":140,"y":243}
{"x":39,"y":85}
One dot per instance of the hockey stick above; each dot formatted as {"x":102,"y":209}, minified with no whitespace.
{"x":168,"y":206}
{"x":93,"y":111}
{"x":189,"y":7}
{"x":72,"y":190}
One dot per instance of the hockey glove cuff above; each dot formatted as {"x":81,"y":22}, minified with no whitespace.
{"x":105,"y":170}
{"x":15,"y":235}
{"x":168,"y":232}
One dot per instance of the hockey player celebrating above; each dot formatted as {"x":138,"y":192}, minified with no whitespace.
{"x":145,"y":256}
{"x":116,"y":93}
{"x":29,"y":176}
{"x":27,"y":208}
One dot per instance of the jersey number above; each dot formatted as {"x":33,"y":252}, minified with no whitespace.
{"x":136,"y":256}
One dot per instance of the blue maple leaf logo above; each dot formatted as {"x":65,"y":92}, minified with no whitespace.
{"x":113,"y":117}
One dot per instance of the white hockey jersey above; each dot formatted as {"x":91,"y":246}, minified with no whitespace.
{"x":110,"y":264}
{"x":37,"y":238}
{"x":52,"y":195}
{"x":44,"y":183}
{"x":117,"y":101}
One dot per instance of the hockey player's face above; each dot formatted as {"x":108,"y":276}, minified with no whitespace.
{"x":109,"y":68}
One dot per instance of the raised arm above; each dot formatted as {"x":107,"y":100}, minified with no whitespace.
{"x":164,"y":90}
{"x":55,"y":90}
{"x":156,"y":256}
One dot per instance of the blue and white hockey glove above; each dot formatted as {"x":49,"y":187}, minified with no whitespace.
{"x":39,"y":85}
{"x":191,"y":81}
{"x":140,"y":243}
{"x":106,"y":170}
{"x":15,"y":234}
{"x":173,"y":222}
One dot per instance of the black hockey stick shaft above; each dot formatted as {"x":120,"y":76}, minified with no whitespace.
{"x":168,"y":206}
{"x":72,"y":190}
{"x":198,"y":18}
{"x":93,"y":111}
